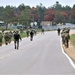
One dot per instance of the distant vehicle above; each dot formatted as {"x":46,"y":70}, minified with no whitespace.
{"x":1,"y":23}
{"x":19,"y":26}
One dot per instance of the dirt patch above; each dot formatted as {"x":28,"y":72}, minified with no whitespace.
{"x":71,"y":50}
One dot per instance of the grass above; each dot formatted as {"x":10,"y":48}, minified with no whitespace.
{"x":23,"y":35}
{"x":73,"y":39}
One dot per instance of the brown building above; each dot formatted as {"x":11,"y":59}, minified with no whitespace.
{"x":46,"y":23}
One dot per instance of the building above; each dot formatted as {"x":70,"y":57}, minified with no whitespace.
{"x":46,"y":23}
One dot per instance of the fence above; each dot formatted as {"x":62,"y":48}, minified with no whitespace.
{"x":47,"y":27}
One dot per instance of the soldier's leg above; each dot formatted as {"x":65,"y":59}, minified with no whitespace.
{"x":31,"y":37}
{"x":0,"y":42}
{"x":63,"y":41}
{"x":9,"y":40}
{"x":58,"y":33}
{"x":67,"y":43}
{"x":17,"y":44}
{"x":6,"y":42}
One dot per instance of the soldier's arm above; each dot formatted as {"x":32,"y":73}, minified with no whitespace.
{"x":20,"y":37}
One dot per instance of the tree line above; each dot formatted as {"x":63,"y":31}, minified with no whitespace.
{"x":25,"y":14}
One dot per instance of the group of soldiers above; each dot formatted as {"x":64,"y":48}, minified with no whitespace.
{"x":7,"y":36}
{"x":65,"y":37}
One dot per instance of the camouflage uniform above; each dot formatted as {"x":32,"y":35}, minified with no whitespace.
{"x":42,"y":31}
{"x":10,"y":36}
{"x":6,"y":37}
{"x":16,"y":39}
{"x":65,"y":37}
{"x":1,"y":37}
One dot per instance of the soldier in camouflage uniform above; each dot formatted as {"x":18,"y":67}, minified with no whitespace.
{"x":42,"y":30}
{"x":65,"y":37}
{"x":10,"y":36}
{"x":6,"y":37}
{"x":1,"y":37}
{"x":17,"y":36}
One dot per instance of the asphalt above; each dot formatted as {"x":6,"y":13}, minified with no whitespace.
{"x":42,"y":56}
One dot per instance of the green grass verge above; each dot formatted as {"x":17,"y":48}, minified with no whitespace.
{"x":23,"y":35}
{"x":73,"y":39}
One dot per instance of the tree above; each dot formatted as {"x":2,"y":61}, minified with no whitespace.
{"x":34,"y":15}
{"x":72,"y":17}
{"x":25,"y":17}
{"x":50,"y":14}
{"x":59,"y":17}
{"x":1,"y":13}
{"x":57,"y":6}
{"x":21,"y":7}
{"x":41,"y":12}
{"x":9,"y":16}
{"x":66,"y":8}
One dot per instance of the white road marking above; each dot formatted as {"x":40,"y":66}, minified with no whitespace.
{"x":8,"y":55}
{"x":70,"y":60}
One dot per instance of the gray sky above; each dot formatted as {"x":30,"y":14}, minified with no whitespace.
{"x":31,"y":3}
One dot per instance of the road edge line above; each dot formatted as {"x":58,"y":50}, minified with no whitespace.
{"x":70,"y":60}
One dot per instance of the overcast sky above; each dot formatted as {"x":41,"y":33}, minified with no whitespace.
{"x":31,"y":3}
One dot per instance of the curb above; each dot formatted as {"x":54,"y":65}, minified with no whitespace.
{"x":69,"y":58}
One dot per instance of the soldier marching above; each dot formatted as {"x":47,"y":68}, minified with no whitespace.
{"x":65,"y":37}
{"x":7,"y":38}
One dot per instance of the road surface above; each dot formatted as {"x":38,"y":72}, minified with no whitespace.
{"x":42,"y":56}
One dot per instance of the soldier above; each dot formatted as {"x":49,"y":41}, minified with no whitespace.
{"x":1,"y":37}
{"x":16,"y":39}
{"x":65,"y":37}
{"x":42,"y":31}
{"x":31,"y":35}
{"x":58,"y":31}
{"x":6,"y":37}
{"x":10,"y":36}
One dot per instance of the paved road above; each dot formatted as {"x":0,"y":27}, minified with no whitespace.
{"x":42,"y":56}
